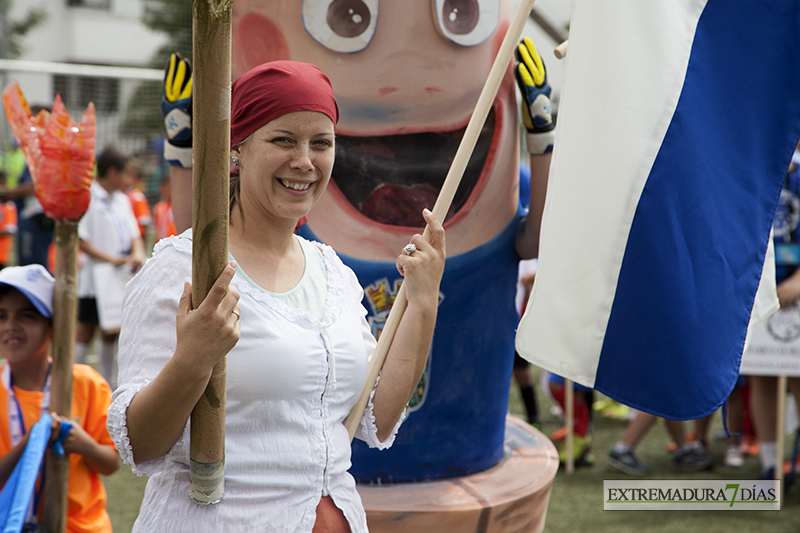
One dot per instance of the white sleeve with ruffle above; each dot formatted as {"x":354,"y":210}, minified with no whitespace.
{"x":368,"y":431}
{"x":147,"y":341}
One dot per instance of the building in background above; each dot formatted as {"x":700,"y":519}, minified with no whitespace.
{"x":85,"y":32}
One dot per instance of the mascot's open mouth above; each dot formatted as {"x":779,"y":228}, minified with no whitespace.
{"x":391,"y":179}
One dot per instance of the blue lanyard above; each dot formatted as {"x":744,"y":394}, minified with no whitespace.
{"x":15,"y":420}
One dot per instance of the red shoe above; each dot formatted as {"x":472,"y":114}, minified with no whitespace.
{"x":559,"y":434}
{"x":749,"y":445}
{"x":787,"y":467}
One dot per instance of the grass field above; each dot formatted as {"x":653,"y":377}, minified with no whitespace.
{"x":576,"y":500}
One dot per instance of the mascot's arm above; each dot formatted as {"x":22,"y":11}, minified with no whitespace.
{"x":532,"y":81}
{"x":176,"y":103}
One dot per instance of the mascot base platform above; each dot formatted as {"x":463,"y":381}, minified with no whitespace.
{"x":511,"y":496}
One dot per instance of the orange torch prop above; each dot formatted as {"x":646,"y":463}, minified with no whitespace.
{"x":60,"y":157}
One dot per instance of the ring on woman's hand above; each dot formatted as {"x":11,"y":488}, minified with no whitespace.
{"x":410,"y":248}
{"x":235,"y":312}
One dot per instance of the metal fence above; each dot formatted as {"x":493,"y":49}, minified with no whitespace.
{"x":127,"y":103}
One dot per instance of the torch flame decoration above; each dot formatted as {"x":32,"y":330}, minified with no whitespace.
{"x":60,"y":153}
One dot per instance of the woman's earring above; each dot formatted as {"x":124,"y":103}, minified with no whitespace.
{"x":235,"y":161}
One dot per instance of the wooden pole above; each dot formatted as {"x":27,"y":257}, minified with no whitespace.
{"x":442,"y":205}
{"x":780,"y":428}
{"x":65,"y":305}
{"x":560,"y":51}
{"x":569,"y":420}
{"x":210,"y":210}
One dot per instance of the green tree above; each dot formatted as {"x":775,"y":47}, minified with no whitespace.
{"x":174,"y":18}
{"x":12,"y":32}
{"x":143,"y":116}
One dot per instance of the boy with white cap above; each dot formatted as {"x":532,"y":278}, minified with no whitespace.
{"x":26,"y":310}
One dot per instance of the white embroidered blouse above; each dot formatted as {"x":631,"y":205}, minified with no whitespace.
{"x":291,"y":382}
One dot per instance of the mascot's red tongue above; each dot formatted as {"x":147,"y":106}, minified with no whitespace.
{"x":397,"y":205}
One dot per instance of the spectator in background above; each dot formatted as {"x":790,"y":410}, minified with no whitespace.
{"x":13,"y":165}
{"x":764,"y":389}
{"x":108,"y":233}
{"x":688,"y":456}
{"x":8,"y":226}
{"x":139,"y":203}
{"x":581,"y":419}
{"x":734,"y":455}
{"x":162,"y":212}
{"x":35,"y":230}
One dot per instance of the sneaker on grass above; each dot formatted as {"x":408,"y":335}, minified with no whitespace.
{"x":581,"y":451}
{"x":628,"y":463}
{"x":733,"y":456}
{"x":692,"y":458}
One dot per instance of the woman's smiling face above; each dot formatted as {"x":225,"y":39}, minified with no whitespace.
{"x":286,"y":164}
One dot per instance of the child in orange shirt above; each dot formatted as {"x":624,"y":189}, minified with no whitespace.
{"x":26,"y":295}
{"x":139,"y":203}
{"x":162,"y":213}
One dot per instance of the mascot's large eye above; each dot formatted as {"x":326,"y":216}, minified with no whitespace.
{"x":467,"y":22}
{"x":341,"y":25}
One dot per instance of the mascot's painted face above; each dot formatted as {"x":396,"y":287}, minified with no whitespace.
{"x":407,"y":75}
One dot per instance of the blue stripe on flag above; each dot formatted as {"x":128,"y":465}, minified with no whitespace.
{"x":697,"y":243}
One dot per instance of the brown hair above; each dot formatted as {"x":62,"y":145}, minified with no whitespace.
{"x":111,"y":158}
{"x":235,"y":191}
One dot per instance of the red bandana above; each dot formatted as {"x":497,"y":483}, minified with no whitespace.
{"x":274,"y":89}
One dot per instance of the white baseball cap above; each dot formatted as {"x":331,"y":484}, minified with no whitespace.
{"x":35,"y":282}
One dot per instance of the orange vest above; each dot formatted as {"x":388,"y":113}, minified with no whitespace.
{"x":164,"y":220}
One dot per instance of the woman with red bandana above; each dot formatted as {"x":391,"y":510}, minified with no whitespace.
{"x":290,"y":314}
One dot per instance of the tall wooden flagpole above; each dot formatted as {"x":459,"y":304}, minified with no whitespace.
{"x":780,"y":428}
{"x":569,"y":421}
{"x":445,"y":198}
{"x":65,"y":304}
{"x":210,"y":210}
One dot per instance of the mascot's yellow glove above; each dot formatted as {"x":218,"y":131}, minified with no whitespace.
{"x":532,"y":81}
{"x":176,"y":103}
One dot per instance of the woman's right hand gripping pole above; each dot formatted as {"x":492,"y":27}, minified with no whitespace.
{"x":158,"y":414}
{"x":208,"y":333}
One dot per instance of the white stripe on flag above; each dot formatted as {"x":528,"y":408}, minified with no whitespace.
{"x":766,"y":301}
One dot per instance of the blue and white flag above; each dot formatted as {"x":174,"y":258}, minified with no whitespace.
{"x":677,"y":124}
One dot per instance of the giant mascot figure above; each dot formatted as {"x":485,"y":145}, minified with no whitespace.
{"x":406,"y":75}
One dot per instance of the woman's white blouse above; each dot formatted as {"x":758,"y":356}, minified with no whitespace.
{"x":291,"y":382}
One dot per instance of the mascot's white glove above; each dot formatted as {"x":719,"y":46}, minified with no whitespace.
{"x":532,"y":81}
{"x":176,"y":103}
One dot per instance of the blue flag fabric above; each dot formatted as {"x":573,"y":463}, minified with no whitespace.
{"x":677,"y":124}
{"x":17,"y":493}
